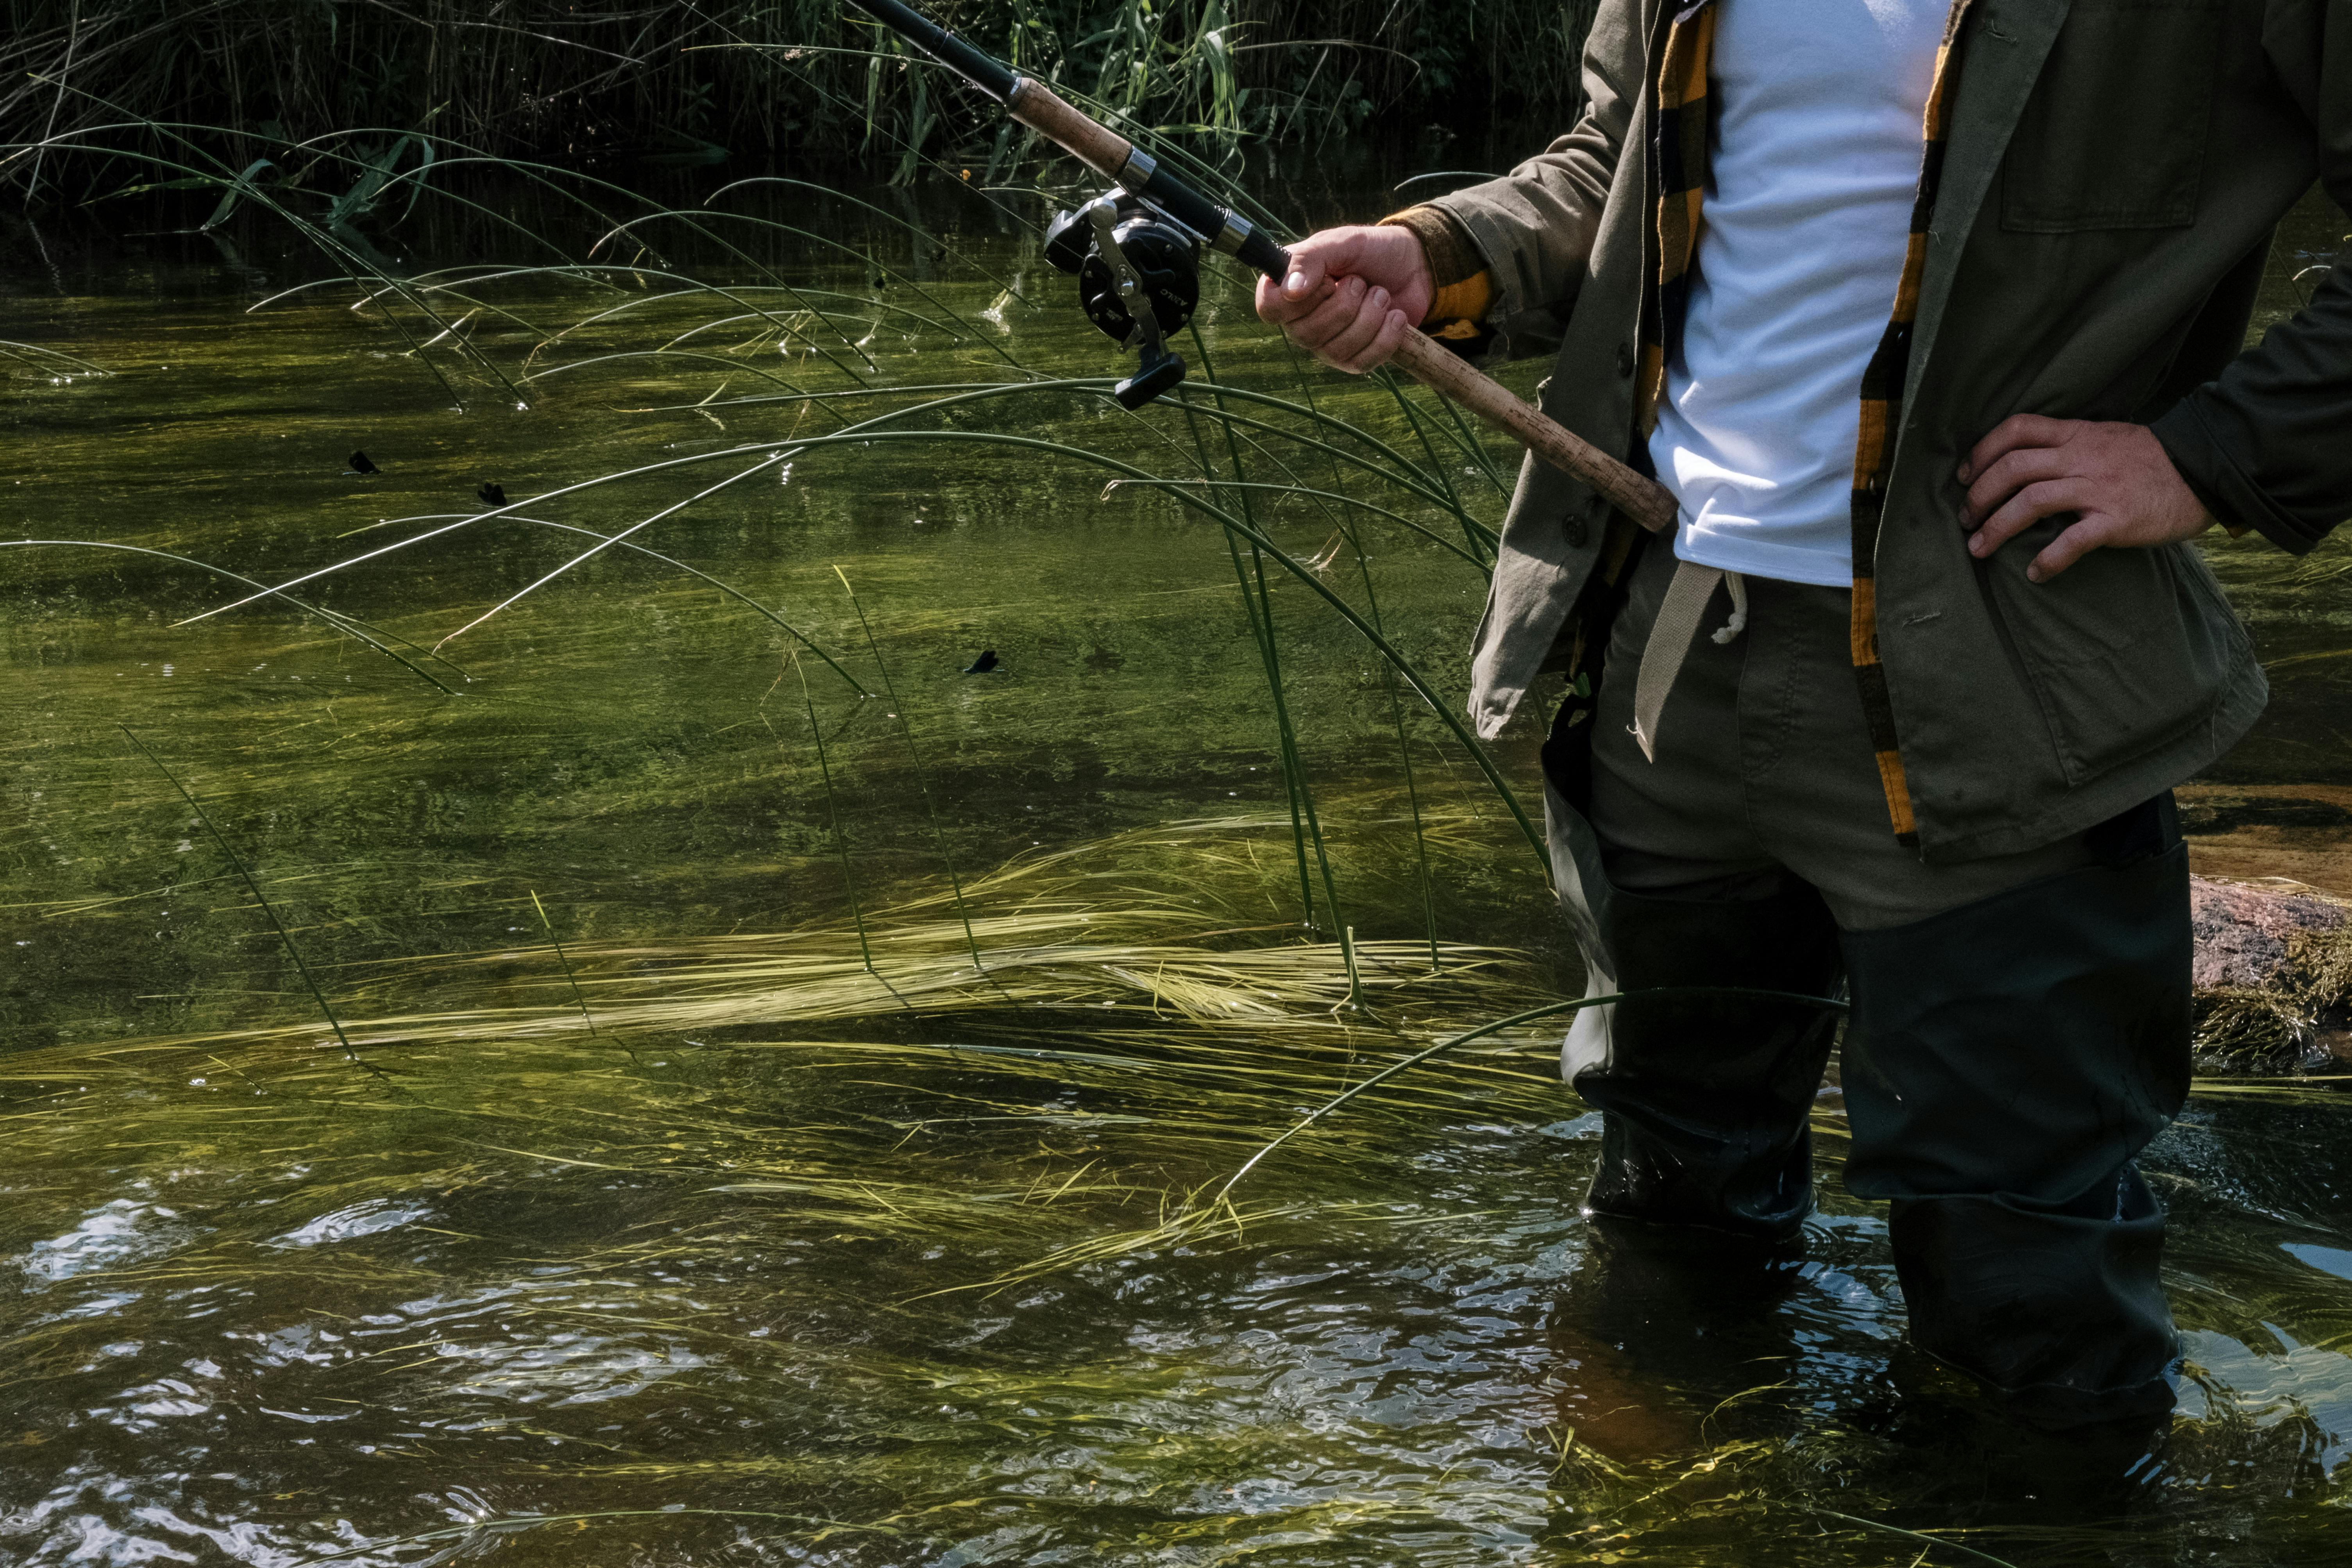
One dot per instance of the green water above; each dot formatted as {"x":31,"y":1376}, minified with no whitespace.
{"x":702,"y":1238}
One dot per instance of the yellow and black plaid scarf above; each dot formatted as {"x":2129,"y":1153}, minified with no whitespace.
{"x":1679,"y":137}
{"x":1682,"y":131}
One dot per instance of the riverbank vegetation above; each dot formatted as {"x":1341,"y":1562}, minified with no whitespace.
{"x":671,"y":81}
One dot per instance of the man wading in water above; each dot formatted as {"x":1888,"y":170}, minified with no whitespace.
{"x":1904,"y":697}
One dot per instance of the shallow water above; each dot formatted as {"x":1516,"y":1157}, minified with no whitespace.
{"x":691,"y":1239}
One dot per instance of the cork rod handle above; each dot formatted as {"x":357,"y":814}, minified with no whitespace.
{"x":1434,"y":365}
{"x":1094,"y":144}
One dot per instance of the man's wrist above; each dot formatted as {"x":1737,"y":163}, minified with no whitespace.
{"x":2214,"y":513}
{"x":2207,"y":466}
{"x":1461,"y":289}
{"x":1446,"y":245}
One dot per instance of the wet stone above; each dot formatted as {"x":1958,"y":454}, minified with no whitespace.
{"x":2243,"y":931}
{"x":2273,"y":971}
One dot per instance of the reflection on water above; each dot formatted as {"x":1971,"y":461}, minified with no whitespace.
{"x":535,"y":1281}
{"x":695,"y":1243}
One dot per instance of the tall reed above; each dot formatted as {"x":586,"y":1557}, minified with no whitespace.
{"x":670,"y":81}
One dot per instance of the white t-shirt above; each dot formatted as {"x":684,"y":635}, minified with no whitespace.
{"x":1806,"y":219}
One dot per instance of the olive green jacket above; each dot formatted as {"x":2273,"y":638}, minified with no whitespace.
{"x":2112,"y":174}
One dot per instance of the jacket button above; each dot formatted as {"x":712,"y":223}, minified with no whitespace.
{"x":1576,"y":531}
{"x":1624,"y":359}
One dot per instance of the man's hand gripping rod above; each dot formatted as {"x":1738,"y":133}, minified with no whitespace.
{"x":1115,"y":158}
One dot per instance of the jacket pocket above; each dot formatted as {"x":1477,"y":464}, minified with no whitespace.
{"x":2125,"y":649}
{"x":2113,"y":134}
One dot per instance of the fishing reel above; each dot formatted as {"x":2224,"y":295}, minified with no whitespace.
{"x":1139,"y":280}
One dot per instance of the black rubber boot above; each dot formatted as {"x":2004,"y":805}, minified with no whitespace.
{"x":1705,"y":1101}
{"x":2003,"y":1062}
{"x":1660,"y":1328}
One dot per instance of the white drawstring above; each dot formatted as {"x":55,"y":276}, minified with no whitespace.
{"x":1739,"y":622}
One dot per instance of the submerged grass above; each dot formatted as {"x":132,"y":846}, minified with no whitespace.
{"x":1156,"y":1025}
{"x":1092,"y":931}
{"x":245,"y":875}
{"x":587,"y":1272}
{"x":865,"y":1221}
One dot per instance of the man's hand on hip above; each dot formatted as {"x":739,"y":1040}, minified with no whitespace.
{"x":2117,"y":477}
{"x":1351,"y":294}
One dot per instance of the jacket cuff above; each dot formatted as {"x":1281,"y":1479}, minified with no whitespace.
{"x":1453,"y":256}
{"x":2233,"y":498}
{"x":1464,"y":289}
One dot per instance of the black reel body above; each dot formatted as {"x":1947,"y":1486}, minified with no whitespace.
{"x":1166,"y":259}
{"x":1166,"y":263}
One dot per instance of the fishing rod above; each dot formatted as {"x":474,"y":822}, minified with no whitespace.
{"x":1136,"y":253}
